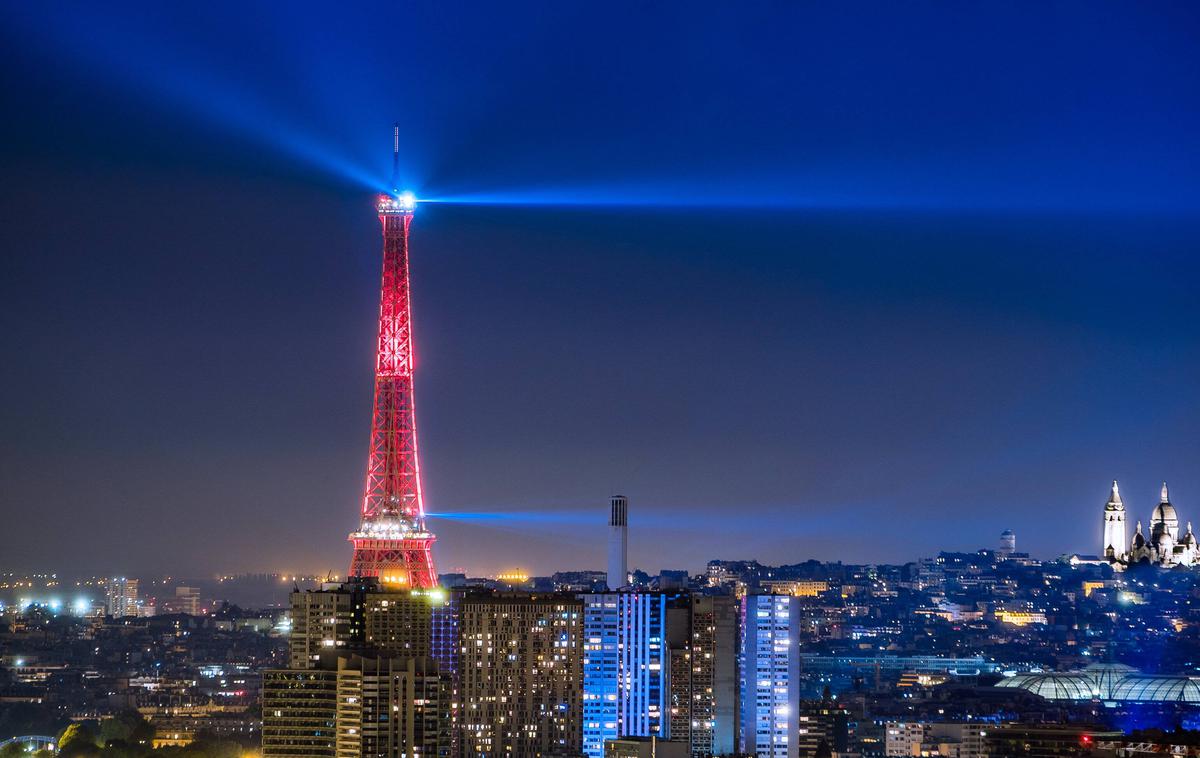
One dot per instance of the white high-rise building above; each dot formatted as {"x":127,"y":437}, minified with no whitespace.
{"x":770,"y":676}
{"x":618,"y":543}
{"x":1008,"y":543}
{"x":123,"y":597}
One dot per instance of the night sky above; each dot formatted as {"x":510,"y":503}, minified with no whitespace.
{"x":838,"y":281}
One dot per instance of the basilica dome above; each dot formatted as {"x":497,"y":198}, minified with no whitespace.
{"x":1165,"y":512}
{"x":1164,"y":519}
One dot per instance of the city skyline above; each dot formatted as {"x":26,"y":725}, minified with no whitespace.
{"x":968,"y":304}
{"x":602,"y":541}
{"x":599,"y":381}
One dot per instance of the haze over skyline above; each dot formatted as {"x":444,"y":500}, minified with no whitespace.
{"x":802,"y":283}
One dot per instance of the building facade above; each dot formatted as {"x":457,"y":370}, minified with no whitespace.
{"x":324,"y":621}
{"x":361,"y":707}
{"x":362,"y":616}
{"x":123,"y":597}
{"x":300,"y":713}
{"x":1114,"y":544}
{"x":626,"y":667}
{"x":703,"y":640}
{"x":951,"y":740}
{"x":644,"y":747}
{"x":520,"y":675}
{"x":400,"y":707}
{"x":362,"y":679}
{"x":822,"y":722}
{"x":1008,"y":543}
{"x":770,"y":675}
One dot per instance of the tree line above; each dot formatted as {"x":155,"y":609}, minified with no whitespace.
{"x":126,"y":735}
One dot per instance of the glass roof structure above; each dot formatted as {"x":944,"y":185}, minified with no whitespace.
{"x":1055,"y":685}
{"x":1157,"y":689}
{"x":1112,"y":682}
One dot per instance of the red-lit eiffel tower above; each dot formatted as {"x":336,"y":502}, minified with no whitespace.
{"x":392,"y":542}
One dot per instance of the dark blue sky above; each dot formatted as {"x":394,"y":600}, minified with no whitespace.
{"x":858,"y":281}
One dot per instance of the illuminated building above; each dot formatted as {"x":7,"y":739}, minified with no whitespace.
{"x":618,"y":542}
{"x":734,"y":575}
{"x":1020,"y":617}
{"x":1008,"y":542}
{"x":520,"y":674}
{"x":703,"y":677}
{"x":1114,"y":544}
{"x":1165,"y":547}
{"x":810,"y":588}
{"x":444,"y":636}
{"x":186,"y":600}
{"x":952,"y":740}
{"x":626,"y":664}
{"x":513,"y":578}
{"x":822,"y":721}
{"x":392,"y":542}
{"x":915,"y":680}
{"x":580,"y":581}
{"x":844,"y":665}
{"x":324,"y":621}
{"x":178,"y":725}
{"x":363,"y":707}
{"x":373,"y":648}
{"x":770,"y":675}
{"x":645,"y":747}
{"x":189,"y":599}
{"x":400,"y":707}
{"x":123,"y":597}
{"x":364,"y":617}
{"x":400,"y":623}
{"x":300,"y":713}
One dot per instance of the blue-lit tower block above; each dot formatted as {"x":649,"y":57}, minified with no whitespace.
{"x":626,"y":664}
{"x":770,"y":675}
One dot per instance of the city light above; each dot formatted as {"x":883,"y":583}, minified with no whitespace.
{"x":399,"y":203}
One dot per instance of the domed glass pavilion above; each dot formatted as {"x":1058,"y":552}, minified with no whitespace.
{"x":1109,"y":682}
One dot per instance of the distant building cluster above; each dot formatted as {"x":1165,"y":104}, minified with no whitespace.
{"x":123,"y":599}
{"x":960,"y":654}
{"x":988,"y":653}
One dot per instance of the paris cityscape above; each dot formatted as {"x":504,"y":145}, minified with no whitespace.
{"x":592,"y":387}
